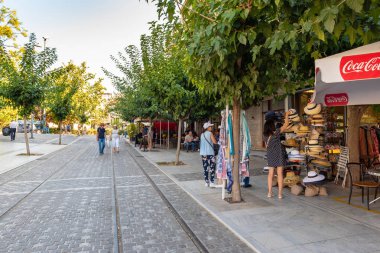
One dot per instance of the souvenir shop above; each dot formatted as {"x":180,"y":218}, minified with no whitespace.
{"x":316,"y":137}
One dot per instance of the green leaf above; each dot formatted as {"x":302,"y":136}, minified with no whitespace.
{"x":351,"y":33}
{"x":242,"y":38}
{"x":318,"y":31}
{"x":244,"y":14}
{"x":307,"y":26}
{"x":356,"y":5}
{"x":338,"y":29}
{"x":329,"y":23}
{"x":277,"y":2}
{"x":251,"y":37}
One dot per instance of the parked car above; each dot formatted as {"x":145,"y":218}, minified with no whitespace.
{"x":20,"y":127}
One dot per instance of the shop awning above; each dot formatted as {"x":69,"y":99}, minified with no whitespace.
{"x":349,"y":78}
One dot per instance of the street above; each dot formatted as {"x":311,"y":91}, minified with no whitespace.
{"x":74,"y":200}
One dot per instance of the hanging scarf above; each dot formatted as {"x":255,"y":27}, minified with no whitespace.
{"x":231,"y":153}
{"x":221,"y":169}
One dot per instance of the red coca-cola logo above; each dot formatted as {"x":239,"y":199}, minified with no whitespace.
{"x":339,"y":99}
{"x":362,"y":66}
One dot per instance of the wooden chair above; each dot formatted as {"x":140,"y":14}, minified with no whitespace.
{"x":362,"y":183}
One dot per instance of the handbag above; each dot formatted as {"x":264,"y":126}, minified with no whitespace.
{"x":214,"y":146}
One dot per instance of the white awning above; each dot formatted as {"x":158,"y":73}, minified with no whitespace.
{"x":349,"y":78}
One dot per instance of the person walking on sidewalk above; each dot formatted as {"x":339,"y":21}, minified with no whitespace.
{"x":275,"y":153}
{"x":13,"y":127}
{"x":207,"y":153}
{"x":115,"y":139}
{"x":101,"y":137}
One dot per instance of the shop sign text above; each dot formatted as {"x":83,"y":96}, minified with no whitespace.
{"x":339,"y":99}
{"x":363,"y":66}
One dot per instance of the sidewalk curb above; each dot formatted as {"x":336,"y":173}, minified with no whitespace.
{"x":200,"y":203}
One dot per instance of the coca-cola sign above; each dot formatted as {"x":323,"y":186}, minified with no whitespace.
{"x":362,"y":66}
{"x":339,"y":99}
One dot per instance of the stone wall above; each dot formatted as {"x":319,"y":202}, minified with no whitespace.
{"x":255,"y":122}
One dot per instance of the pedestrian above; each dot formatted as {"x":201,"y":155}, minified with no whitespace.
{"x":100,"y":137}
{"x":275,"y":153}
{"x":13,"y":127}
{"x":207,"y":154}
{"x":189,"y":142}
{"x":115,"y":139}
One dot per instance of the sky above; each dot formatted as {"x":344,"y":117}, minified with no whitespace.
{"x":86,"y":30}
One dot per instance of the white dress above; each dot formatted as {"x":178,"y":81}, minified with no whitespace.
{"x":115,"y":138}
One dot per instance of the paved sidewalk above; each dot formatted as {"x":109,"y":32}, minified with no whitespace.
{"x":293,"y":224}
{"x":42,"y":144}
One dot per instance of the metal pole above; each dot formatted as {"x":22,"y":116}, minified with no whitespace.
{"x":345,"y":126}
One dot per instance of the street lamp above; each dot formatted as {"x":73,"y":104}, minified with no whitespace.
{"x":32,"y":116}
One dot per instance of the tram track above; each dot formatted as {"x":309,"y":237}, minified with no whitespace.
{"x":116,"y":227}
{"x":192,"y":236}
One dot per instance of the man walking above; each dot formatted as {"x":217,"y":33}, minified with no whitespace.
{"x":100,"y":137}
{"x":13,"y":127}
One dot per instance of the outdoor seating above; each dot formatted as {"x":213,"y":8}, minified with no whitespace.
{"x":363,"y":183}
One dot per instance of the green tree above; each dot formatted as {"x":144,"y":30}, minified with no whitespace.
{"x":247,"y":50}
{"x":62,"y":92}
{"x":26,"y":83}
{"x":155,"y":81}
{"x":10,"y":25}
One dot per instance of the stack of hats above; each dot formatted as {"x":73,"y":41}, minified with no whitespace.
{"x":303,"y":130}
{"x":313,"y":109}
{"x":291,"y":143}
{"x":295,"y":156}
{"x":317,"y":120}
{"x":313,"y":147}
{"x":293,"y":116}
{"x":291,"y":179}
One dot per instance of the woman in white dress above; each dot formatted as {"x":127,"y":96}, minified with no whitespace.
{"x":115,"y":138}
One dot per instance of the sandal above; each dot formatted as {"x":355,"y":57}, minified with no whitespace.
{"x":270,"y":195}
{"x":279,"y":196}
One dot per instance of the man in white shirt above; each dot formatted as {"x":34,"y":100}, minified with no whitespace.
{"x":13,"y":127}
{"x":189,"y":141}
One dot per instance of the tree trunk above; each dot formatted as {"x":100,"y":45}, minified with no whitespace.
{"x":236,"y":195}
{"x":178,"y":142}
{"x":168,"y":136}
{"x":26,"y":137}
{"x":60,"y":132}
{"x":354,"y":115}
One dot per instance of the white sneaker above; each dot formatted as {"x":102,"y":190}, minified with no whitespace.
{"x":206,"y":185}
{"x":212,"y":185}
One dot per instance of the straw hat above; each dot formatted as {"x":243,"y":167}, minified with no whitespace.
{"x":314,"y":135}
{"x":296,"y":119}
{"x":290,"y":143}
{"x":323,"y":163}
{"x":322,"y":191}
{"x":312,"y":109}
{"x":313,"y":142}
{"x":311,"y":191}
{"x":291,"y":179}
{"x":303,"y":128}
{"x":312,"y":177}
{"x":320,"y":157}
{"x":296,"y":189}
